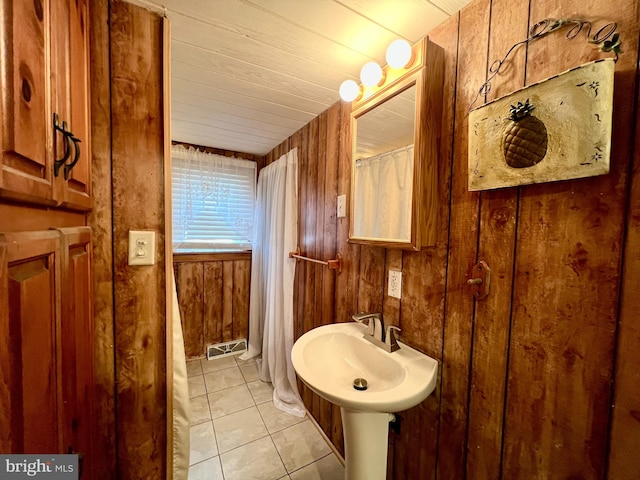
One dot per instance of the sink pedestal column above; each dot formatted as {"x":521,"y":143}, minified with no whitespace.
{"x":366,"y":438}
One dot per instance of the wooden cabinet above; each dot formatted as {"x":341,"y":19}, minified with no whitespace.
{"x":44,"y":56}
{"x":46,"y":303}
{"x":46,"y":373}
{"x":394,"y":157}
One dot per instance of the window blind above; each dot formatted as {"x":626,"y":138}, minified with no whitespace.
{"x":213,"y":201}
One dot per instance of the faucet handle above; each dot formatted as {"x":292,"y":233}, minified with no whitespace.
{"x":390,"y":338}
{"x":370,"y":320}
{"x":359,"y":317}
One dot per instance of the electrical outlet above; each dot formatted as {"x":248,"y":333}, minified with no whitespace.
{"x":142,"y":247}
{"x":395,"y":283}
{"x":342,"y":206}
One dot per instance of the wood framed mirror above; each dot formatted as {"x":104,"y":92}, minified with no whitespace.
{"x":395,"y":142}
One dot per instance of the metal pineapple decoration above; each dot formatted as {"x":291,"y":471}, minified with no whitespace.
{"x":525,"y":139}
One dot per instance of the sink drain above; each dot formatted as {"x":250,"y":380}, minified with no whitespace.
{"x":360,"y":384}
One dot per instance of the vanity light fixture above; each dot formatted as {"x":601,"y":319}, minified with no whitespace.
{"x":350,"y":90}
{"x":371,"y":74}
{"x":400,"y":55}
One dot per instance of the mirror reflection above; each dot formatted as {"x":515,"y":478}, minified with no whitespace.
{"x":383,"y":169}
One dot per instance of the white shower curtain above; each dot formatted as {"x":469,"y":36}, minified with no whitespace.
{"x":181,"y":407}
{"x":384,"y":184}
{"x":272,"y":273}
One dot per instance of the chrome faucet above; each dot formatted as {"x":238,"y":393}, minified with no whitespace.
{"x":374,"y":322}
{"x":376,"y":333}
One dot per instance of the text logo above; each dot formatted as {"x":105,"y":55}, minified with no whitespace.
{"x":49,"y":467}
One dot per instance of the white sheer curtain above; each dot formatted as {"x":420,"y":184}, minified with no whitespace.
{"x":213,"y":200}
{"x":384,"y":184}
{"x":272,"y":273}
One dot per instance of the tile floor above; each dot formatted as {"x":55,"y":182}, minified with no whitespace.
{"x":237,"y":433}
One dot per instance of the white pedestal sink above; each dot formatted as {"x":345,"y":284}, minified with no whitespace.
{"x":329,"y":358}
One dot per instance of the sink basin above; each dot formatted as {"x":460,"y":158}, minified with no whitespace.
{"x":329,"y":358}
{"x":333,"y":359}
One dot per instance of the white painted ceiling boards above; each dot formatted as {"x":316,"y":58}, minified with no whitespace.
{"x":247,"y":74}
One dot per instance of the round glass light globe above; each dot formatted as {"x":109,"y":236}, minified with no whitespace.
{"x":371,"y":74}
{"x":399,"y":53}
{"x":349,"y":90}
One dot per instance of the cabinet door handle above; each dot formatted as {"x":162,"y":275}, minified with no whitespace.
{"x":68,"y":138}
{"x":67,"y":144}
{"x":76,"y":157}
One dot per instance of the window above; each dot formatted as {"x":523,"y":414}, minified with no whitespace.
{"x":213,"y":201}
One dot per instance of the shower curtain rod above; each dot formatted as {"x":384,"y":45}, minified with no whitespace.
{"x":335,"y":264}
{"x":384,"y":154}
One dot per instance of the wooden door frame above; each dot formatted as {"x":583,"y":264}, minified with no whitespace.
{"x":168,"y":234}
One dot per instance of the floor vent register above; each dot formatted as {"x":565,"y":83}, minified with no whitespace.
{"x":235,"y":347}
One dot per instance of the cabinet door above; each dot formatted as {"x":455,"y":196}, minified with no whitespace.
{"x":70,"y":89}
{"x":29,"y":328}
{"x":25,"y":111}
{"x":77,"y":345}
{"x":44,"y":60}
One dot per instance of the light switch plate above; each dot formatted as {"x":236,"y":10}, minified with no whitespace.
{"x":342,"y":206}
{"x":142,"y":247}
{"x":395,"y":283}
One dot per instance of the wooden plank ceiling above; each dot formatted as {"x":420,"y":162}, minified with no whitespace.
{"x":247,"y":74}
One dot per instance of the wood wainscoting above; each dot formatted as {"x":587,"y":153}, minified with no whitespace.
{"x":213,"y":294}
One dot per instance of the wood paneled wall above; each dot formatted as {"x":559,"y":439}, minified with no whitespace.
{"x":101,"y":221}
{"x":137,"y":173}
{"x":213,"y":294}
{"x":528,"y":376}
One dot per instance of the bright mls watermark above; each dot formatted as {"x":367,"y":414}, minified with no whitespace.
{"x":50,"y":467}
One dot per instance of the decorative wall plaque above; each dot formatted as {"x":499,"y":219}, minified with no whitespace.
{"x":556,"y":129}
